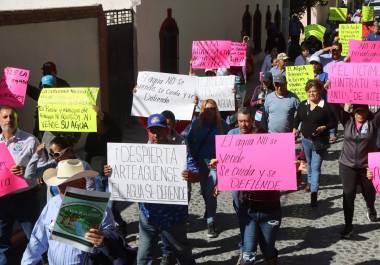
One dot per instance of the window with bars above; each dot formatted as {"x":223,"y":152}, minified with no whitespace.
{"x":118,"y":17}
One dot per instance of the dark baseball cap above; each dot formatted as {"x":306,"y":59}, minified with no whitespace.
{"x":157,"y":120}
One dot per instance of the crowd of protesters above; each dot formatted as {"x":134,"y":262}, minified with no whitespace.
{"x":267,"y":108}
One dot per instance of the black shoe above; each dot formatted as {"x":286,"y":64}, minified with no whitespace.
{"x":347,"y":232}
{"x":371,"y":214}
{"x":211,"y":231}
{"x":168,"y":260}
{"x":313,"y":199}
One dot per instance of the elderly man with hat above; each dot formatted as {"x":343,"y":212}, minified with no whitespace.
{"x":69,"y":173}
{"x":282,"y":62}
{"x":280,"y":107}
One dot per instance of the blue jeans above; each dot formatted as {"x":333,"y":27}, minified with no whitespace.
{"x":176,"y":236}
{"x":22,"y":207}
{"x":260,"y":228}
{"x":208,"y":182}
{"x":314,"y":162}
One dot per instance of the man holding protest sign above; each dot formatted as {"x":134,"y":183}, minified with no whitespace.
{"x":22,"y":206}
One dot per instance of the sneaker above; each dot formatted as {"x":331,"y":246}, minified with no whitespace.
{"x":347,"y":232}
{"x":168,"y":260}
{"x":211,"y":231}
{"x":371,"y":214}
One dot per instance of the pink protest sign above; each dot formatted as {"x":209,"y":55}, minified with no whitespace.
{"x":374,"y":165}
{"x":238,"y":54}
{"x":364,"y":51}
{"x":8,"y":182}
{"x":13,"y":86}
{"x":211,"y":54}
{"x":256,"y":162}
{"x":355,"y":83}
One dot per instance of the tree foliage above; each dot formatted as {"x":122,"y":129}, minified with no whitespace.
{"x":299,"y":7}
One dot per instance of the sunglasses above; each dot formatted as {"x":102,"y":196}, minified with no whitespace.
{"x":57,"y":155}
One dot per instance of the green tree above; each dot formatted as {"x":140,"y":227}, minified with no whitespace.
{"x":299,"y":7}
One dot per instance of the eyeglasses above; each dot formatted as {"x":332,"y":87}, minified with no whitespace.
{"x":57,"y":155}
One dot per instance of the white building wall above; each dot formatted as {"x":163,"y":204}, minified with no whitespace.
{"x":196,"y":20}
{"x":72,"y":45}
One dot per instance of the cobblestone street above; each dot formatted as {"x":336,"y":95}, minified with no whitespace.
{"x":307,"y":235}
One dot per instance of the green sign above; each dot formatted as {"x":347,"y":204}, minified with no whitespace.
{"x":367,"y":13}
{"x":349,"y":32}
{"x":315,"y":30}
{"x":338,"y":14}
{"x":297,"y":77}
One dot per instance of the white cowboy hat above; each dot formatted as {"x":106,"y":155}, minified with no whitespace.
{"x":66,"y":171}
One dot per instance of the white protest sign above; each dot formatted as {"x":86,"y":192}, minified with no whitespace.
{"x":157,"y":92}
{"x":149,"y":173}
{"x":218,"y":88}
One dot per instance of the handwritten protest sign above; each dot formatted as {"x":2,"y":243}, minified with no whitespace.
{"x":337,"y":14}
{"x":219,"y":88}
{"x":147,"y":173}
{"x":356,"y":83}
{"x":374,"y":165}
{"x":157,"y":92}
{"x":368,"y":13}
{"x":245,"y":162}
{"x":8,"y":182}
{"x":315,"y":30}
{"x":238,"y":54}
{"x":80,"y":211}
{"x":68,"y":109}
{"x":211,"y":54}
{"x":13,"y":86}
{"x":349,"y":32}
{"x":297,"y":76}
{"x":364,"y":51}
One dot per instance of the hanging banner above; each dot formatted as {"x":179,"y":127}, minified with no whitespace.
{"x":218,"y":88}
{"x":349,"y":32}
{"x":68,"y":109}
{"x":355,"y":83}
{"x":364,"y":51}
{"x":156,"y":92}
{"x":245,"y":162}
{"x":315,"y":30}
{"x":149,"y":173}
{"x":368,"y":13}
{"x":211,"y":54}
{"x":8,"y":182}
{"x":13,"y":85}
{"x":297,"y":76}
{"x":337,"y":14}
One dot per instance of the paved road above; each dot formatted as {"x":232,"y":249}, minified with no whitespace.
{"x":307,"y":235}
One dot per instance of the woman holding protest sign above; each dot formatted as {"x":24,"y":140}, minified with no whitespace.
{"x":360,"y":131}
{"x":201,"y":143}
{"x":315,"y":117}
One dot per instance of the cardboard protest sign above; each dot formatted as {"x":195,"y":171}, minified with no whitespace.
{"x":374,"y":165}
{"x":297,"y":76}
{"x":8,"y":182}
{"x":349,"y":32}
{"x":364,"y":51}
{"x":157,"y":92}
{"x":80,"y":211}
{"x":218,"y":88}
{"x":68,"y":109}
{"x":315,"y":30}
{"x":337,"y":14}
{"x":13,"y":85}
{"x":149,"y":173}
{"x":211,"y":54}
{"x":245,"y":162}
{"x":355,"y":83}
{"x":368,"y":13}
{"x":238,"y":54}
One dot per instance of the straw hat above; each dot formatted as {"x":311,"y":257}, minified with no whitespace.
{"x":66,"y":171}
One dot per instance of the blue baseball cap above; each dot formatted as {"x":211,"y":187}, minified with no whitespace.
{"x":157,"y":120}
{"x":48,"y":80}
